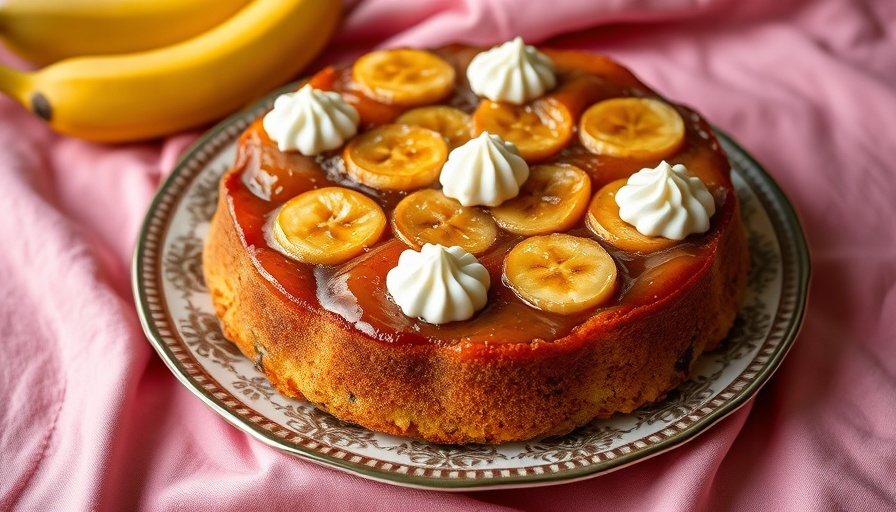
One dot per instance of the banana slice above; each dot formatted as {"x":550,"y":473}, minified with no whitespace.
{"x":404,"y":77}
{"x":396,"y":157}
{"x":429,"y":216}
{"x":452,"y":123}
{"x":539,"y":130}
{"x":632,"y":128}
{"x":328,"y":226}
{"x":552,"y":199}
{"x":561,"y":273}
{"x":604,"y":221}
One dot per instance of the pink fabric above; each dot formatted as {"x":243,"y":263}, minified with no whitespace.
{"x":93,"y":420}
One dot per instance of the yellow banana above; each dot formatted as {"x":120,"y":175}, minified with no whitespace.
{"x":328,"y":226}
{"x":539,"y":129}
{"x":46,"y":31}
{"x":452,"y":123}
{"x":643,"y":128}
{"x":430,"y":217}
{"x":552,"y":199}
{"x":396,"y":157}
{"x":561,"y":273}
{"x":148,"y":94}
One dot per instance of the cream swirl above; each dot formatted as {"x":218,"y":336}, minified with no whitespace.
{"x":310,"y":121}
{"x":438,"y":284}
{"x":484,"y":171}
{"x":666,"y":201}
{"x":512,"y":72}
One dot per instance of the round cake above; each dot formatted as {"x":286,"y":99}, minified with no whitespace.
{"x":471,"y":245}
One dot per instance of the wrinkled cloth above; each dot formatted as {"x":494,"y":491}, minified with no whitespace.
{"x":93,"y":420}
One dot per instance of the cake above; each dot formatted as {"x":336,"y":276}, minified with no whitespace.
{"x":469,"y":245}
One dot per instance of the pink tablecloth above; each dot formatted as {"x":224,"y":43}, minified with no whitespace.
{"x":93,"y":420}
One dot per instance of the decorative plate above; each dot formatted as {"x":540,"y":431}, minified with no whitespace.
{"x":177,"y":315}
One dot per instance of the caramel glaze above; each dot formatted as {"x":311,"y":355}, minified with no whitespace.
{"x":263,"y":178}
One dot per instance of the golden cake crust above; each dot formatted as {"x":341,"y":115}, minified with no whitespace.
{"x":515,"y":389}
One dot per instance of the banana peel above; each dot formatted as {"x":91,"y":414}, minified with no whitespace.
{"x":47,"y":31}
{"x":144,"y":95}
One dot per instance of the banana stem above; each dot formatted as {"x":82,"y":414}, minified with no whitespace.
{"x":15,"y":84}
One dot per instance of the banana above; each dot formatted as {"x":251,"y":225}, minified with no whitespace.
{"x":46,"y":31}
{"x":328,"y":226}
{"x":539,"y":130}
{"x":452,"y":123}
{"x":561,"y":273}
{"x":148,"y":94}
{"x":404,"y":77}
{"x":430,"y":217}
{"x":395,"y":157}
{"x":552,"y":199}
{"x":632,"y":128}
{"x":604,"y":221}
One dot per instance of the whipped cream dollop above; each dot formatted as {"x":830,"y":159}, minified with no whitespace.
{"x":512,"y":72}
{"x":438,"y":284}
{"x":311,"y":121}
{"x":666,"y":201}
{"x":485,"y":171}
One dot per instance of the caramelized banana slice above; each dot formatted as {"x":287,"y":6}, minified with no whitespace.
{"x":396,"y":157}
{"x":404,"y":77}
{"x":632,"y":128}
{"x":452,"y":123}
{"x":539,"y":130}
{"x":561,"y":273}
{"x":552,"y":199}
{"x":328,"y":226}
{"x":604,"y":221}
{"x":428,"y":216}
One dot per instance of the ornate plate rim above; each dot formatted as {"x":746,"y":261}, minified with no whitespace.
{"x":788,"y":232}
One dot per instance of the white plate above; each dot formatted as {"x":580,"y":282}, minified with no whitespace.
{"x":177,"y":315}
